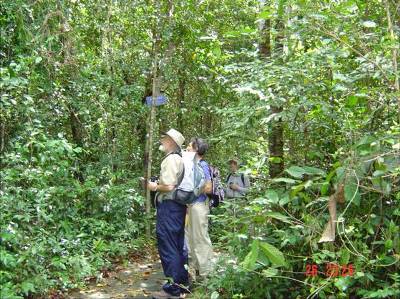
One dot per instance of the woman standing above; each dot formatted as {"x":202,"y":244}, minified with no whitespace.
{"x":199,"y":243}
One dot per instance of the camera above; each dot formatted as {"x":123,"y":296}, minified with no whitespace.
{"x":143,"y":182}
{"x":154,"y":178}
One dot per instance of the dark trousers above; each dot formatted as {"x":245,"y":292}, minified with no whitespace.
{"x":170,"y":231}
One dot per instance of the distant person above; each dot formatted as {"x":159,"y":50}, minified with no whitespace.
{"x":237,"y":183}
{"x":199,"y":243}
{"x":170,"y":227}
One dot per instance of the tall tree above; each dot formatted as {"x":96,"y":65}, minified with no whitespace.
{"x":275,"y":135}
{"x":275,"y":130}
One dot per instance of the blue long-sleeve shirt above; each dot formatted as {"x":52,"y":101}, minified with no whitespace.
{"x":203,"y":197}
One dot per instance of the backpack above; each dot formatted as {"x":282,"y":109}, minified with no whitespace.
{"x":217,"y":194}
{"x":192,"y":182}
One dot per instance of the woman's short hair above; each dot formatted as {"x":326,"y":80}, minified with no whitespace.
{"x":199,"y":145}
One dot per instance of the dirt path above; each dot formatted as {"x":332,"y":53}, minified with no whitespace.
{"x":136,"y":280}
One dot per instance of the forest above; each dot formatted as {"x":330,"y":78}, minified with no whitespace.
{"x":306,"y":94}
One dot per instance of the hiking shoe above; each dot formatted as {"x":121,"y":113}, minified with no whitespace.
{"x":164,"y":295}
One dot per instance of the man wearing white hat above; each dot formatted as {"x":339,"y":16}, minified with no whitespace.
{"x":171,"y":217}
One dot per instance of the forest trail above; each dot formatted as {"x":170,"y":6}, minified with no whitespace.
{"x":136,"y":280}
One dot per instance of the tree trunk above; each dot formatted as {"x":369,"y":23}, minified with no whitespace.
{"x":275,"y":136}
{"x":2,"y":135}
{"x":76,"y":127}
{"x":265,"y":39}
{"x":152,"y":118}
{"x":275,"y":143}
{"x":275,"y":131}
{"x":396,"y":82}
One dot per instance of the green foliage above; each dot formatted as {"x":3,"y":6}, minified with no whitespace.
{"x":56,"y":231}
{"x":290,"y":218}
{"x":340,"y":118}
{"x":72,"y":128}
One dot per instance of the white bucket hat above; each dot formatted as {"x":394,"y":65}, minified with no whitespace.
{"x":176,"y":136}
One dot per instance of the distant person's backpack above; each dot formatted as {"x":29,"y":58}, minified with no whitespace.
{"x":217,"y":194}
{"x":192,"y":182}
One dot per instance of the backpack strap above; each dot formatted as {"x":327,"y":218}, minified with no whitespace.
{"x":177,"y":152}
{"x":211,"y":170}
{"x":229,"y":176}
{"x":180,"y":178}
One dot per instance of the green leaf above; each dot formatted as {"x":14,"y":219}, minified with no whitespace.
{"x":382,"y":185}
{"x":270,"y":272}
{"x":217,"y":51}
{"x":7,"y":259}
{"x":27,"y":287}
{"x":324,"y":188}
{"x":313,"y":170}
{"x":351,"y":192}
{"x":278,"y":216}
{"x":351,"y":101}
{"x":272,"y":195}
{"x":8,"y":291}
{"x":284,"y":180}
{"x":285,"y":198}
{"x":58,"y":264}
{"x":344,"y":256}
{"x":273,"y":254}
{"x":265,"y":14}
{"x":251,"y":258}
{"x":241,"y":31}
{"x":298,"y":172}
{"x":295,"y":171}
{"x":300,"y":187}
{"x":232,"y":34}
{"x":388,"y":244}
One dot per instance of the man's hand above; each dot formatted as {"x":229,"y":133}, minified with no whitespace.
{"x":152,"y":186}
{"x":234,"y":187}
